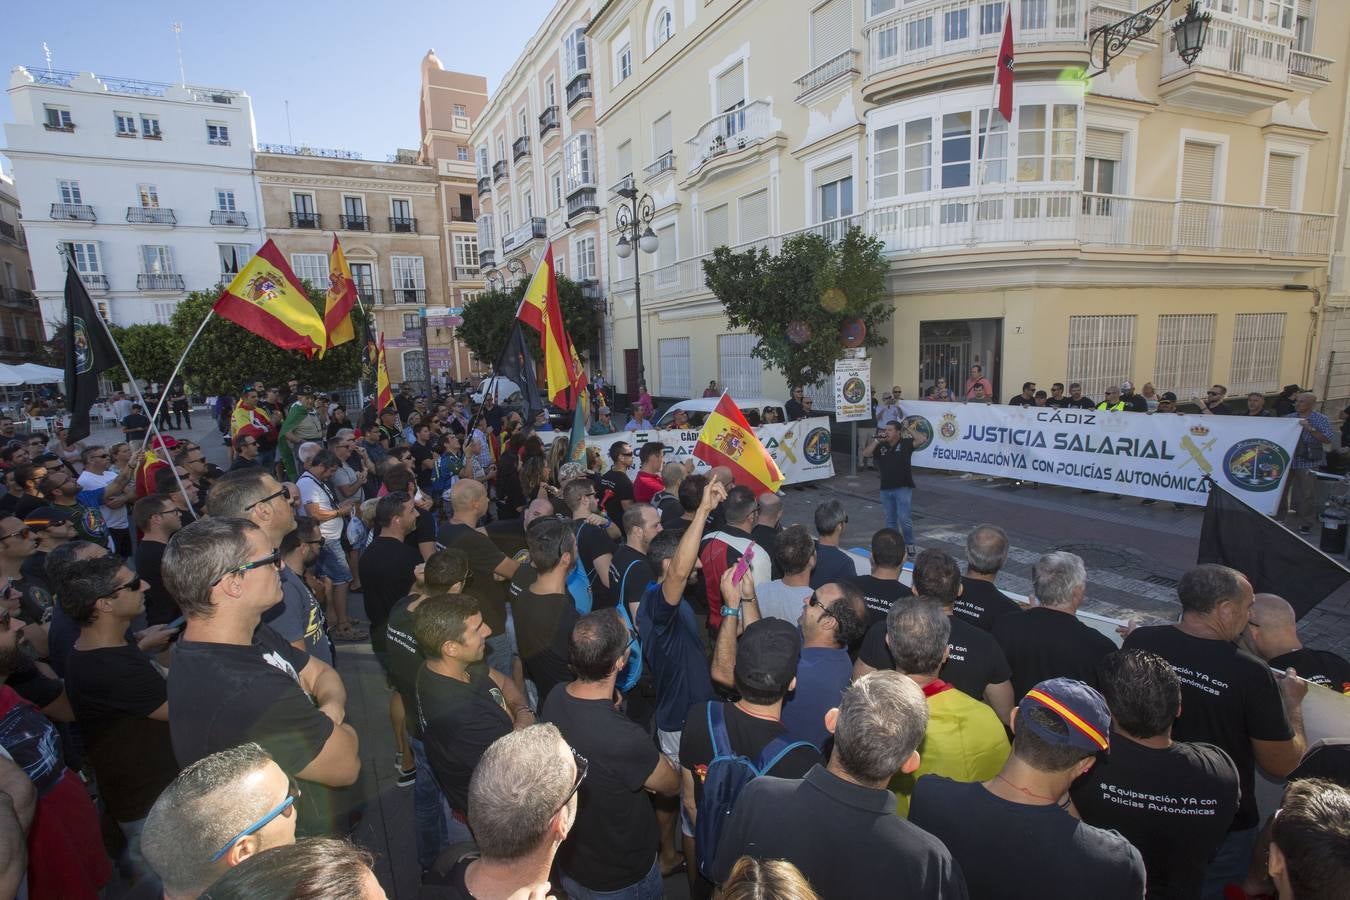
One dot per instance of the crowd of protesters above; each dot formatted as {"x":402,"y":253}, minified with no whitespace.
{"x":603,"y":673}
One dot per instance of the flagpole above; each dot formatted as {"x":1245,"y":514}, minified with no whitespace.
{"x":984,"y":135}
{"x":176,"y":369}
{"x":136,"y":388}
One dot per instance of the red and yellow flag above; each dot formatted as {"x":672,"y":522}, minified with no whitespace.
{"x":267,"y":299}
{"x":384,"y":394}
{"x":337,"y":307}
{"x":540,"y":309}
{"x":727,"y":440}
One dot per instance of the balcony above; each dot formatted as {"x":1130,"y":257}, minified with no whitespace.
{"x":582,"y":202}
{"x":455,"y":215}
{"x":229,"y":217}
{"x":1243,"y":68}
{"x":18,"y":298}
{"x":73,"y":212}
{"x":1306,"y":65}
{"x":664,"y":163}
{"x":731,"y":133}
{"x":591,"y":290}
{"x":466,"y":273}
{"x":305,"y":220}
{"x":484,"y":185}
{"x":159,"y":282}
{"x":520,"y":148}
{"x":578,"y":89}
{"x":530,"y":230}
{"x":548,"y":121}
{"x":9,"y":232}
{"x":67,"y":127}
{"x":94,"y":281}
{"x":499,"y":170}
{"x":151,"y":215}
{"x":354,"y":223}
{"x":403,"y":225}
{"x":827,"y":73}
{"x":409,"y":295}
{"x":487,"y":259}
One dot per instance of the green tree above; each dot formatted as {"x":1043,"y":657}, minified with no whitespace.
{"x":488,"y":318}
{"x":798,"y":300}
{"x":150,"y":351}
{"x":226,"y":355}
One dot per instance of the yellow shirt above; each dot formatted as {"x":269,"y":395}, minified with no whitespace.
{"x":965,"y":741}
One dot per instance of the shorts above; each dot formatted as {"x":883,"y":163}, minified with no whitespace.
{"x":332,"y":562}
{"x":669,"y":742}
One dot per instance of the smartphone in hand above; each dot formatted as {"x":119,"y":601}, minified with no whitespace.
{"x":742,"y":565}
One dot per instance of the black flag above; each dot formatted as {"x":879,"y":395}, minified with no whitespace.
{"x":517,"y":365}
{"x":89,"y":351}
{"x":1274,"y":559}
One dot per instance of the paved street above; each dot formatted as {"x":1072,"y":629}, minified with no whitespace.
{"x":1134,"y":554}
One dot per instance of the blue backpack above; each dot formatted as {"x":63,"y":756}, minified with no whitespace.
{"x":728,"y":774}
{"x":632,"y":670}
{"x":579,"y":580}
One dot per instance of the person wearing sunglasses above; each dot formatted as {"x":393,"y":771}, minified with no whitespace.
{"x":63,"y":491}
{"x":1212,"y":404}
{"x":52,"y":526}
{"x":245,"y":453}
{"x":221,"y":810}
{"x":119,"y":492}
{"x":235,"y":679}
{"x":119,"y":697}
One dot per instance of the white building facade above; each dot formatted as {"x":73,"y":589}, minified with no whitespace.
{"x":149,"y":186}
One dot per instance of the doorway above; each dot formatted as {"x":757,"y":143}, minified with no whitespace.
{"x":948,"y":349}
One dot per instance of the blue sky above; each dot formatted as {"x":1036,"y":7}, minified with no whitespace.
{"x":348,"y":68}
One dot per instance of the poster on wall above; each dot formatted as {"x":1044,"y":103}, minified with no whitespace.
{"x":852,"y":390}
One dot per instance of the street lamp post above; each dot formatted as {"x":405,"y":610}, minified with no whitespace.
{"x":1106,"y":42}
{"x":633,"y":221}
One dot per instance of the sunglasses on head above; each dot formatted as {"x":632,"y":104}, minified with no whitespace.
{"x":582,"y":766}
{"x":272,"y":559}
{"x":280,"y":493}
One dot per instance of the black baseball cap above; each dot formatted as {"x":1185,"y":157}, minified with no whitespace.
{"x":767,"y":654}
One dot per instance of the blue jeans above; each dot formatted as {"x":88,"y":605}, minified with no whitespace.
{"x":1230,"y":863}
{"x":648,"y":888}
{"x":896,"y":503}
{"x":332,"y":563}
{"x":431,"y":813}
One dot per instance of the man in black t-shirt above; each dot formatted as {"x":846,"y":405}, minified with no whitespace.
{"x":422,"y":537}
{"x":630,"y":571}
{"x":981,"y":603}
{"x":768,"y":525}
{"x":1047,"y":641}
{"x":975,"y":662}
{"x":157,"y":518}
{"x":424,"y":459}
{"x":1027,"y":397}
{"x":892,"y":455}
{"x":667,"y":501}
{"x":1013,"y":835}
{"x":119,"y":698}
{"x":1272,"y":634}
{"x":1076,"y":399}
{"x":882,"y":587}
{"x":490,"y":567}
{"x":594,"y":537}
{"x":615,"y":841}
{"x":544,"y":612}
{"x":1172,"y":800}
{"x":1229,"y":698}
{"x":234,"y":679}
{"x":615,"y":486}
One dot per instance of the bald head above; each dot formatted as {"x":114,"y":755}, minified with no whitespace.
{"x":722,"y":474}
{"x":672,"y":473}
{"x":770,"y":509}
{"x":536,"y":509}
{"x":1273,"y":630}
{"x":466,"y":495}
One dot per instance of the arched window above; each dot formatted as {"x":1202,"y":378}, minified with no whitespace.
{"x":663,"y":27}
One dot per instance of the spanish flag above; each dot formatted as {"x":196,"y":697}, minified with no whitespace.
{"x":540,"y":309}
{"x":337,"y":307}
{"x":727,"y":440}
{"x":266,"y":299}
{"x":384,"y":394}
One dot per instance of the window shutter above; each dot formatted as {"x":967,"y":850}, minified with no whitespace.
{"x":1102,"y":144}
{"x":1280,"y":180}
{"x":625,"y":159}
{"x":829,"y":31}
{"x":1305,"y":9}
{"x":1197,"y":171}
{"x":665,"y":250}
{"x":715,"y":228}
{"x":731,"y":87}
{"x":661,"y":141}
{"x":833,"y":172}
{"x":754,"y":216}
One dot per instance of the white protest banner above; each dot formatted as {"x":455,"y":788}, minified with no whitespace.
{"x":801,"y":449}
{"x":852,"y":390}
{"x":1163,"y":456}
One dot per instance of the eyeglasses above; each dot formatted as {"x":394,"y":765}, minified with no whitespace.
{"x":318,"y":542}
{"x":1211,"y":393}
{"x":815,"y":601}
{"x":272,"y":559}
{"x":280,"y":493}
{"x":22,"y":532}
{"x":134,"y":584}
{"x":292,"y":795}
{"x":98,"y":456}
{"x":582,"y":766}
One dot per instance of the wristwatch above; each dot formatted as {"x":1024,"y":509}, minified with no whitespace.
{"x":728,"y":612}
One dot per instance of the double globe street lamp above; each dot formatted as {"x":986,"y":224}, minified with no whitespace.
{"x":633,"y":221}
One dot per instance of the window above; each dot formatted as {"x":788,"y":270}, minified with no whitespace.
{"x":831,"y":31}
{"x":225,"y":200}
{"x":956,"y":24}
{"x":956,"y":150}
{"x":877,"y":7}
{"x":574,"y":53}
{"x":1199,"y":162}
{"x":354,"y":207}
{"x":1039,"y":138}
{"x":730,"y":98}
{"x":994,"y":145}
{"x":85,"y":254}
{"x":1033,"y":14}
{"x":661,"y":137}
{"x":919,"y":33}
{"x":164,"y":313}
{"x":149,"y":196}
{"x":485,"y":231}
{"x":625,"y":167}
{"x":716,"y":227}
{"x":467,"y":297}
{"x":409,"y":280}
{"x":1103,"y":154}
{"x":585,"y":257}
{"x":466,"y":251}
{"x":217,"y":133}
{"x":233,"y":257}
{"x":753,"y":210}
{"x":412,"y":322}
{"x":1258,"y":339}
{"x":667,"y":251}
{"x":303,"y":204}
{"x":738,"y":371}
{"x":555,"y":188}
{"x":459,"y":110}
{"x":150,"y":127}
{"x":157,"y":260}
{"x":1101,"y":352}
{"x":400,"y":209}
{"x":550,"y":92}
{"x":673,"y":354}
{"x":523,"y":124}
{"x":833,"y":188}
{"x":625,"y":66}
{"x":1185,"y":352}
{"x":506,"y":217}
{"x":662,"y":28}
{"x":1281,"y":169}
{"x":484,"y":168}
{"x":70,"y":192}
{"x":462,"y":153}
{"x":57,"y":118}
{"x":918,"y":156}
{"x":311,"y":267}
{"x":886,"y":162}
{"x":991,"y":17}
{"x":578,"y":161}
{"x":527,"y":203}
{"x":126,"y":124}
{"x":560,"y":261}
{"x":501,"y":148}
